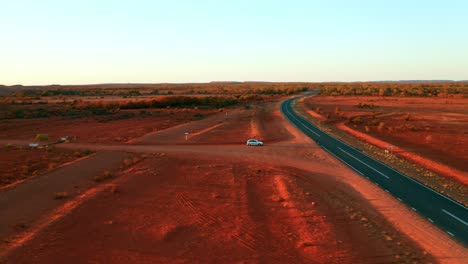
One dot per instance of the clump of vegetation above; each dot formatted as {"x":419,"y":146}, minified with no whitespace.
{"x":198,"y":116}
{"x":381,"y":126}
{"x":355,"y":120}
{"x":182,"y":102}
{"x":8,"y":146}
{"x":83,"y":153}
{"x":104,"y":176}
{"x":114,"y":188}
{"x":366,"y":106}
{"x":42,"y":137}
{"x":423,"y":89}
{"x":337,"y":110}
{"x":61,"y":195}
{"x":407,"y":117}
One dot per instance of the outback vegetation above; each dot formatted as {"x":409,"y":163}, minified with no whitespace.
{"x":101,"y":100}
{"x":395,"y":89}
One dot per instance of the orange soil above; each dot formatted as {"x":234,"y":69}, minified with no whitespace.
{"x":287,"y":202}
{"x":97,"y":129}
{"x":429,"y":164}
{"x":216,"y":204}
{"x":432,"y":128}
{"x":20,"y":164}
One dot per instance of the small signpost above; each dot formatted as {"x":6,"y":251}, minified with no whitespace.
{"x":186,"y":135}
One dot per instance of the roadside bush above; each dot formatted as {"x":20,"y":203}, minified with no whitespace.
{"x":366,"y":106}
{"x":105,"y":176}
{"x":61,"y":195}
{"x":355,"y":120}
{"x":182,"y":102}
{"x":381,"y":126}
{"x":42,"y":137}
{"x":198,"y":116}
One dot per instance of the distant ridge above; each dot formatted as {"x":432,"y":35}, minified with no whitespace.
{"x":142,"y":85}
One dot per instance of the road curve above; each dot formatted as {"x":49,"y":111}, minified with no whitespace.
{"x":445,"y":213}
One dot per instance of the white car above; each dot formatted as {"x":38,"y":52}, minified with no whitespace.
{"x":34,"y":145}
{"x":254,"y":142}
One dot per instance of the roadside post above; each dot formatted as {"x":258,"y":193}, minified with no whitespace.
{"x":186,"y":135}
{"x":389,"y":149}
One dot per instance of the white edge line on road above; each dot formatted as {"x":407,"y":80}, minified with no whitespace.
{"x":417,"y":182}
{"x":450,"y":233}
{"x":454,"y":216}
{"x":399,"y":199}
{"x":407,"y":177}
{"x":430,"y":220}
{"x":305,"y":126}
{"x":414,"y":209}
{"x":343,"y":161}
{"x":372,"y":168}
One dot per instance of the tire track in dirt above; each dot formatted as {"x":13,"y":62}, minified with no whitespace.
{"x":272,"y":241}
{"x":249,"y":229}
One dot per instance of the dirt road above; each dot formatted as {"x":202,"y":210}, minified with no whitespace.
{"x":195,"y":202}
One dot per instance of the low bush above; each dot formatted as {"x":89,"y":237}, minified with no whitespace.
{"x":366,"y":106}
{"x":105,"y":176}
{"x":355,"y":120}
{"x":42,"y":137}
{"x":61,"y":195}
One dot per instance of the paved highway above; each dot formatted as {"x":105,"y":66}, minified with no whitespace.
{"x":447,"y":214}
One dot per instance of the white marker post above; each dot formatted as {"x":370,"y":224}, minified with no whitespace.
{"x":186,"y":135}
{"x":389,"y":149}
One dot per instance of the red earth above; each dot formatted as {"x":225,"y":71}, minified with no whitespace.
{"x":102,"y":129}
{"x":19,"y":164}
{"x":434,"y":128}
{"x":211,"y":199}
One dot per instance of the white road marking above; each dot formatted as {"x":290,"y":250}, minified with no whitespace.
{"x":411,"y":179}
{"x":450,"y":233}
{"x":414,"y":209}
{"x":399,"y":199}
{"x":343,"y":161}
{"x":291,"y":114}
{"x":454,"y":216}
{"x":430,"y":220}
{"x":386,"y":190}
{"x":364,"y":163}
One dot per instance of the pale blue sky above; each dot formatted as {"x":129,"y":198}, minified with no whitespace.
{"x":101,"y":41}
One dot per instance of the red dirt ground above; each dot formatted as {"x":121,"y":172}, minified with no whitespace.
{"x":434,"y":128}
{"x":286,"y":202}
{"x":20,"y":164}
{"x":241,"y":212}
{"x":235,"y":127}
{"x":98,"y":129}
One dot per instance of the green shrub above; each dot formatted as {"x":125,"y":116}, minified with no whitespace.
{"x":42,"y":137}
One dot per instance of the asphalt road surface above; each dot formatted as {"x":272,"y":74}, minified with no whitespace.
{"x":447,"y":214}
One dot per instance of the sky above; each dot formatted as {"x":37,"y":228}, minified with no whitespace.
{"x":178,"y":41}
